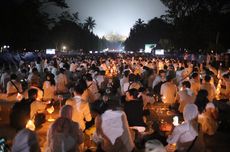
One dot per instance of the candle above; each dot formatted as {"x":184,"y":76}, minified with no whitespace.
{"x":30,"y":125}
{"x":175,"y":121}
{"x":19,"y":97}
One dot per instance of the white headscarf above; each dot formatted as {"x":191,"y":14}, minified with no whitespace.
{"x":190,"y":112}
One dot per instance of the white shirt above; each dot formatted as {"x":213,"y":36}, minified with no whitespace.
{"x":81,"y":111}
{"x":168,"y":92}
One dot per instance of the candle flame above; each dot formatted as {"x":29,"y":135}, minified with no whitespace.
{"x":30,"y":125}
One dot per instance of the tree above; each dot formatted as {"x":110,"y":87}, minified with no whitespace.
{"x":198,"y":23}
{"x":90,"y":23}
{"x":24,"y":25}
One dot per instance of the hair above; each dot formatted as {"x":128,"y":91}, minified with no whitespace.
{"x":79,"y":89}
{"x":132,"y":77}
{"x":162,"y":71}
{"x":187,"y":84}
{"x":99,"y":107}
{"x":133,"y":92}
{"x":88,"y":77}
{"x":126,"y":73}
{"x":62,"y":125}
{"x":201,"y":100}
{"x":34,"y":70}
{"x":65,"y":111}
{"x":13,"y":77}
{"x":51,"y":76}
{"x":194,"y":75}
{"x":62,"y":70}
{"x":32,"y":92}
{"x":207,"y":78}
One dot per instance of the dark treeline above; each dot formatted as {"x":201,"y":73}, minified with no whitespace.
{"x":194,"y":25}
{"x":26,"y":24}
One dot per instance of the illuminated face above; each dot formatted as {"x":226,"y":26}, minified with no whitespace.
{"x":128,"y":97}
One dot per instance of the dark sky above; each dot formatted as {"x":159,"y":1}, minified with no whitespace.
{"x":116,"y":16}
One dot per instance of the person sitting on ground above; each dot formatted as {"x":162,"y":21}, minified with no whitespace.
{"x":208,"y":119}
{"x":13,"y":88}
{"x":64,"y":134}
{"x":209,"y":87}
{"x":133,"y":108}
{"x":81,"y":111}
{"x":49,"y":87}
{"x":20,"y":112}
{"x":186,"y":133}
{"x":26,"y":141}
{"x":201,"y":100}
{"x":185,"y":95}
{"x":112,"y":129}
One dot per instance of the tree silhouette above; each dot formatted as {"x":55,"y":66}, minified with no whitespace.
{"x":89,"y":23}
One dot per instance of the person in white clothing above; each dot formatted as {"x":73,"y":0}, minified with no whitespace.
{"x":184,"y":134}
{"x":61,"y":82}
{"x":209,"y":87}
{"x":81,"y":111}
{"x":185,"y":95}
{"x":169,"y":91}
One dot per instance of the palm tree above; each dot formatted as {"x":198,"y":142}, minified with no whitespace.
{"x":139,"y":21}
{"x":90,"y":23}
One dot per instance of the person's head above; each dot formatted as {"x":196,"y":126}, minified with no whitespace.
{"x":50,"y":77}
{"x":32,"y":94}
{"x":66,"y":112}
{"x":62,"y":70}
{"x":195,"y":76}
{"x":79,"y":89}
{"x":190,"y":112}
{"x":132,"y":94}
{"x":162,"y":73}
{"x":207,"y":78}
{"x":169,"y":78}
{"x":13,"y":76}
{"x":154,"y":146}
{"x":34,"y":70}
{"x":186,"y":84}
{"x":25,"y":141}
{"x":201,"y":99}
{"x":132,"y":77}
{"x":62,"y":125}
{"x":88,"y":77}
{"x":126,"y":73}
{"x":210,"y":107}
{"x":98,"y":107}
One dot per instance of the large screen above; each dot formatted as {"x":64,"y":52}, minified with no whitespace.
{"x":160,"y":52}
{"x":50,"y":51}
{"x":149,"y":47}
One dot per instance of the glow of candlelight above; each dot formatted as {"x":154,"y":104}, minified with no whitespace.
{"x":175,"y":121}
{"x":50,"y":110}
{"x":19,"y":97}
{"x":30,"y":125}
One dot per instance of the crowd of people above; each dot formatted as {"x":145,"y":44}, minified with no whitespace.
{"x":112,"y":93}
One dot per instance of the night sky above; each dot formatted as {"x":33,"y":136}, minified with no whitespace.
{"x":116,"y":16}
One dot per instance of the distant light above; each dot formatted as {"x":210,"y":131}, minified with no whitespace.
{"x":131,"y":52}
{"x":90,"y":52}
{"x":64,"y":47}
{"x":96,"y":51}
{"x":4,"y":46}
